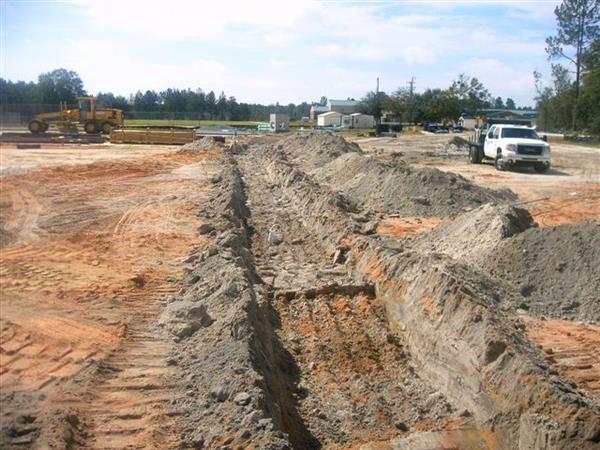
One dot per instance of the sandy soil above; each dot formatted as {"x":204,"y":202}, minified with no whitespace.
{"x":14,"y":160}
{"x":93,"y":241}
{"x":573,"y":349}
{"x":96,"y":240}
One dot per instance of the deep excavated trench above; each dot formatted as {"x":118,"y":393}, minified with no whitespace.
{"x":302,"y":328}
{"x":341,"y":377}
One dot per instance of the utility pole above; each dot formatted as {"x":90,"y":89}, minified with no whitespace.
{"x":377,"y":88}
{"x":411,"y":91}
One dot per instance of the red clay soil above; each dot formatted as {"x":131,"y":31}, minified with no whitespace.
{"x":89,"y":253}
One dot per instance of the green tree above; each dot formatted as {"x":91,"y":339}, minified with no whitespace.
{"x":222,"y":106}
{"x":109,"y":100}
{"x":211,"y":103}
{"x":471,"y":93}
{"x":578,"y":28}
{"x":441,"y":106}
{"x":499,"y":103}
{"x":588,"y":106}
{"x":373,"y":103}
{"x":510,"y":104}
{"x":59,"y":85}
{"x":146,"y":102}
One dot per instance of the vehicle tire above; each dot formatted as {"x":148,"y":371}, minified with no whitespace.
{"x":541,"y":167}
{"x":498,"y":163}
{"x":36,"y":127}
{"x":106,"y":128}
{"x":90,"y":127}
{"x":475,"y":155}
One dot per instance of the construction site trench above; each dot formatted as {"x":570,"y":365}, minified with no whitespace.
{"x":294,"y":292}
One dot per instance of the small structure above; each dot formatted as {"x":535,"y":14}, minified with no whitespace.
{"x":360,"y":120}
{"x":279,"y":122}
{"x":469,"y":120}
{"x":330,"y":119}
{"x":315,"y":110}
{"x":342,"y":106}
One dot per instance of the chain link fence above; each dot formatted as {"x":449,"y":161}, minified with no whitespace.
{"x":18,"y":115}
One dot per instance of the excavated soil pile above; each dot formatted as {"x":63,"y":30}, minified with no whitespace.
{"x":472,"y":236}
{"x":556,"y":269}
{"x":396,"y":186}
{"x":206,"y":143}
{"x":315,"y":149}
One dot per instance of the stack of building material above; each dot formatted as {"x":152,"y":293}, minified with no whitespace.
{"x":152,"y":136}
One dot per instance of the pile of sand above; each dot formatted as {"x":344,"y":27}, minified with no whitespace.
{"x":397,"y":187}
{"x":473,"y":236}
{"x":316,"y":148}
{"x":205,"y":143}
{"x":556,"y":269}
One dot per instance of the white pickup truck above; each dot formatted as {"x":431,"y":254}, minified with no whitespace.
{"x":510,"y":145}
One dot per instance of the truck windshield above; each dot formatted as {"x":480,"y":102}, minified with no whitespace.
{"x":524,"y":133}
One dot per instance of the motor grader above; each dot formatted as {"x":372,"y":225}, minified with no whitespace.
{"x":93,"y":120}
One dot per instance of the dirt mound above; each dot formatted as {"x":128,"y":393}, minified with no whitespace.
{"x":315,"y":148}
{"x":556,"y":269}
{"x":471,"y":237}
{"x":205,"y":143}
{"x":396,"y":186}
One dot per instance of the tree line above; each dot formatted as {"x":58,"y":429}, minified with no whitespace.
{"x":465,"y":94}
{"x":572,"y":100}
{"x":65,"y":85}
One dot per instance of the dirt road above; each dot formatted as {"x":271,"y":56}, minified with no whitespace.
{"x":90,"y":251}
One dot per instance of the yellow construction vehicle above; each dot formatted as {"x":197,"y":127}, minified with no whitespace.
{"x":93,"y":120}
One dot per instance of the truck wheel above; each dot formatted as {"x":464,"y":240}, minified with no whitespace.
{"x":106,"y":128}
{"x":498,"y":163}
{"x":90,"y":127}
{"x":541,"y":167}
{"x":475,"y":155}
{"x":36,"y":127}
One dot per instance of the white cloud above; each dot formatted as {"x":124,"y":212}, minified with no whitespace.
{"x":503,"y":79}
{"x":417,"y":55}
{"x":328,"y":50}
{"x":269,"y":51}
{"x":180,"y":19}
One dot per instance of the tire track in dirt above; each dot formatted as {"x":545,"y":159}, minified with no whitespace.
{"x":82,"y":362}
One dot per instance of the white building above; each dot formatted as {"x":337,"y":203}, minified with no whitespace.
{"x":360,"y":120}
{"x":342,"y":106}
{"x":315,"y":110}
{"x":330,"y":119}
{"x":467,"y":122}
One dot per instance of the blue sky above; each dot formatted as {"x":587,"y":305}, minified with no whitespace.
{"x":279,"y":51}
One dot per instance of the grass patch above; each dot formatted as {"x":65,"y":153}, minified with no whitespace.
{"x":186,"y":123}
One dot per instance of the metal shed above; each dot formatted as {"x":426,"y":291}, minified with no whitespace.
{"x":329,"y":119}
{"x":360,"y":120}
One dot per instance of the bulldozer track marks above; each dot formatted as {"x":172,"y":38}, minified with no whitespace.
{"x":93,"y":252}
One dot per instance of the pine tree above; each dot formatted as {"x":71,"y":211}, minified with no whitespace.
{"x":578,"y":28}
